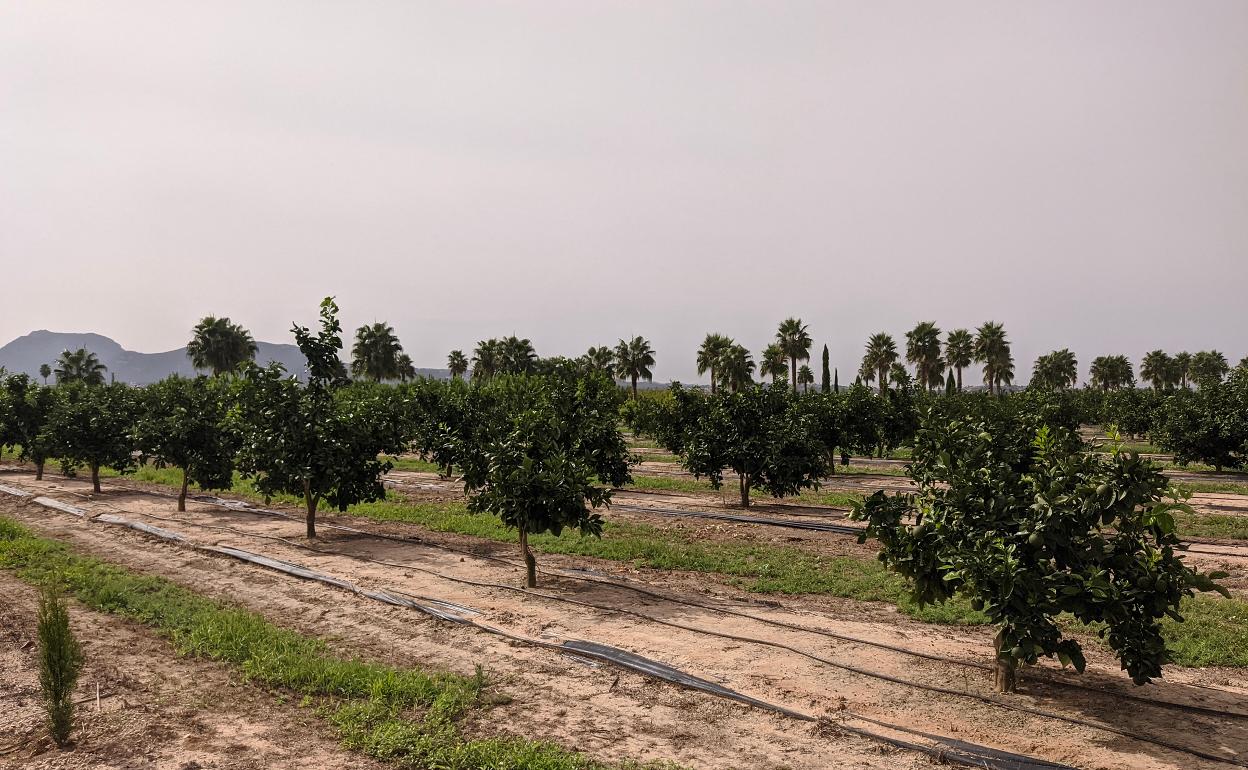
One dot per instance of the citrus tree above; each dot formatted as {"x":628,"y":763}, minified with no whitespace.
{"x":92,"y":425}
{"x":319,"y":440}
{"x":1208,"y":425}
{"x":26,"y":406}
{"x":1031,"y":531}
{"x":763,"y":434}
{"x":543,"y":453}
{"x":182,"y":424}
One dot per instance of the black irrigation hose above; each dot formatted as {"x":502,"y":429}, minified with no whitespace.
{"x":248,"y":508}
{"x":947,"y":749}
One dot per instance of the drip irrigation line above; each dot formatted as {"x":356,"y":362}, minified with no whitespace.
{"x":249,"y":509}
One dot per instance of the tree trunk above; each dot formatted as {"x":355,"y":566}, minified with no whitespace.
{"x":883,"y":379}
{"x":793,"y":368}
{"x":745,"y":490}
{"x":712,"y":380}
{"x":1005,"y":674}
{"x":959,"y":379}
{"x":95,"y":476}
{"x":530,"y":563}
{"x":39,"y":470}
{"x":182,"y":494}
{"x":634,"y":387}
{"x":310,"y":500}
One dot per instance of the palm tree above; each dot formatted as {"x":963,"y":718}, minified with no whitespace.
{"x":795,"y":341}
{"x":1057,"y":370}
{"x":805,"y":378}
{"x":487,"y":359}
{"x":457,"y":362}
{"x":959,"y":351}
{"x":1183,"y":367}
{"x":599,"y":359}
{"x":45,"y":372}
{"x":79,"y":366}
{"x":736,"y":367}
{"x":773,"y":363}
{"x":923,"y":350}
{"x":1209,"y":367}
{"x":518,"y":355}
{"x":992,"y":349}
{"x":633,"y":360}
{"x":376,"y":354}
{"x":709,"y":355}
{"x":219,"y":345}
{"x":881,"y":354}
{"x":1111,"y":373}
{"x":1157,"y":368}
{"x":407,"y":370}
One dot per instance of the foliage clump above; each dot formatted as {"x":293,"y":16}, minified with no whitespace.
{"x":60,"y":663}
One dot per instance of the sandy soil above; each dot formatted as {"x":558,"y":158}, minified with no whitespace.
{"x":156,"y":710}
{"x":615,"y":714}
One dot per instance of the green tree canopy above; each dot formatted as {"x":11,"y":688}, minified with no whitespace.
{"x":220,"y":345}
{"x":93,"y":426}
{"x":79,"y":365}
{"x":182,"y":423}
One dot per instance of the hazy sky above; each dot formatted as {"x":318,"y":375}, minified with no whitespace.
{"x":576,"y":172}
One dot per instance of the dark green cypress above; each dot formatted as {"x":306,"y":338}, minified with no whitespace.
{"x":836,"y":380}
{"x":827,"y":376}
{"x":60,"y":661}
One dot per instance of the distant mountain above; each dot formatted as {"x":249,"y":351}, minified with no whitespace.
{"x":26,"y":354}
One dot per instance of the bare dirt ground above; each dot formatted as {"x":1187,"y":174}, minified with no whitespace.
{"x":156,"y":710}
{"x":615,"y":714}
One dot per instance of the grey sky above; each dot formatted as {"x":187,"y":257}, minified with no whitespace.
{"x":576,"y":172}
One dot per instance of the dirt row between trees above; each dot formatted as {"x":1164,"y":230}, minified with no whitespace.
{"x":155,"y":709}
{"x":614,"y":714}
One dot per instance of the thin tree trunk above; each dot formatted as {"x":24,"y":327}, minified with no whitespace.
{"x":530,"y":563}
{"x":959,"y":379}
{"x":743,"y":479}
{"x":712,"y":380}
{"x":182,"y":494}
{"x":310,"y":500}
{"x":793,"y":368}
{"x":883,"y":379}
{"x":634,"y":387}
{"x":95,"y":476}
{"x":1005,"y":673}
{"x":39,"y":470}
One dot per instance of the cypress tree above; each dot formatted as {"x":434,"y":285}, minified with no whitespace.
{"x":836,"y":380}
{"x":827,"y":376}
{"x":950,"y":385}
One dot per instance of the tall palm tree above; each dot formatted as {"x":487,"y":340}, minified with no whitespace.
{"x":1183,"y":367}
{"x":1209,"y":367}
{"x":599,"y":359}
{"x":736,"y":367}
{"x":519,"y":357}
{"x":709,"y":355}
{"x":487,"y":359}
{"x":923,"y":350}
{"x":633,"y":359}
{"x":805,"y":377}
{"x":376,"y":354}
{"x":881,"y":354}
{"x":45,"y":372}
{"x":1157,"y":368}
{"x":959,"y":351}
{"x":795,"y":341}
{"x":992,"y":349}
{"x":773,"y":363}
{"x":457,"y":362}
{"x":79,"y":366}
{"x":220,"y":345}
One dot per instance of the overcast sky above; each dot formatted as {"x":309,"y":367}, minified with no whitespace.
{"x":576,"y":172}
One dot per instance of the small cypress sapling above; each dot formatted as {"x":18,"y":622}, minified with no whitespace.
{"x":60,"y":662}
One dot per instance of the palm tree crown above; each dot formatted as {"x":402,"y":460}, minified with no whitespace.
{"x":881,"y":354}
{"x":959,"y":351}
{"x":457,"y":362}
{"x":1157,"y":368}
{"x":219,"y":345}
{"x":711,"y":354}
{"x":774,"y":363}
{"x":377,"y":354}
{"x":805,"y":378}
{"x":923,"y":350}
{"x":633,"y":359}
{"x":1055,"y":371}
{"x":736,"y":367}
{"x":599,"y":359}
{"x":795,"y":341}
{"x":1111,"y":373}
{"x":1209,"y":367}
{"x":992,"y":349}
{"x":79,"y":366}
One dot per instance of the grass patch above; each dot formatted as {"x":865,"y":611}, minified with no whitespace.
{"x":755,"y":567}
{"x":398,"y":714}
{"x":412,"y":464}
{"x":1214,"y":633}
{"x":1211,"y":525}
{"x":1213,"y":487}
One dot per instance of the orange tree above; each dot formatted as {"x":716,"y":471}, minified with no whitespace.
{"x":92,"y":425}
{"x":542,"y":452}
{"x":1029,"y":531}
{"x":182,"y":424}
